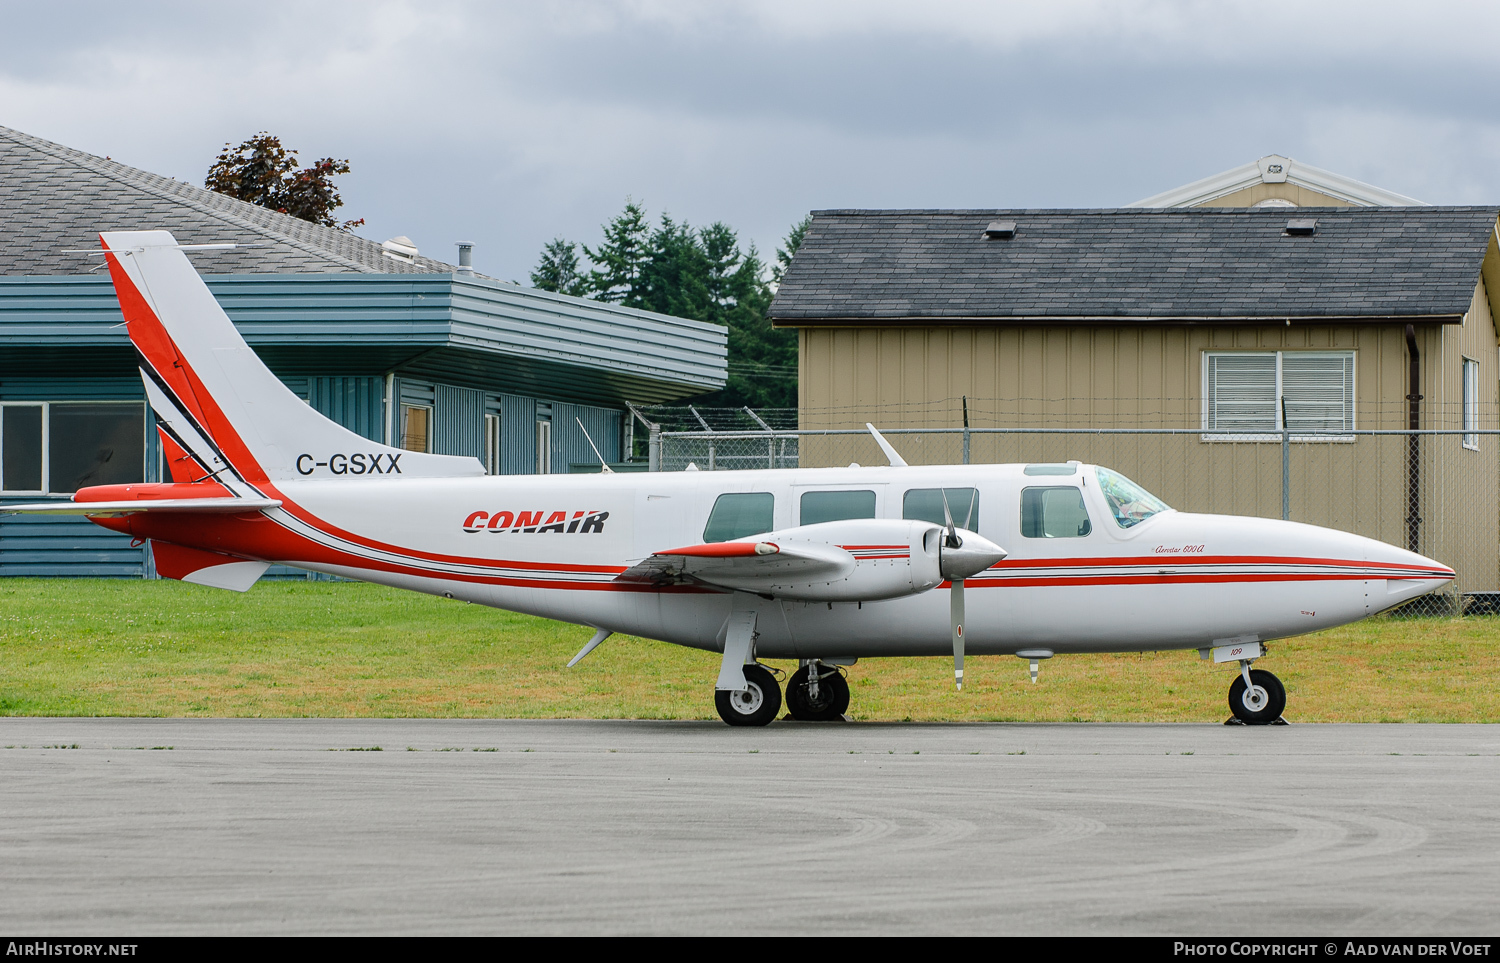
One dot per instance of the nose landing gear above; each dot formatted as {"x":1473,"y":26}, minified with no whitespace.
{"x":1257,"y":697}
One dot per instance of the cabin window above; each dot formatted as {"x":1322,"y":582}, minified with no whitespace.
{"x":1247,"y":393}
{"x":61,"y":447}
{"x":926,"y":504}
{"x":739,"y":514}
{"x":1054,"y":513}
{"x":416,"y":428}
{"x":836,"y":506}
{"x":1471,"y":403}
{"x":1128,"y":502}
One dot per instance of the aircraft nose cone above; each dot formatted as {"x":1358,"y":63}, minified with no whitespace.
{"x":974,"y":555}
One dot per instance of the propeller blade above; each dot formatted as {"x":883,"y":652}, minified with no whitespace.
{"x":956,"y":601}
{"x":952,"y":540}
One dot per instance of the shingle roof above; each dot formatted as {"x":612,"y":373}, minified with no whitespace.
{"x":54,"y":198}
{"x":1204,"y":263}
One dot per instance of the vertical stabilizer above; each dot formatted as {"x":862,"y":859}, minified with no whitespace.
{"x":215,"y":396}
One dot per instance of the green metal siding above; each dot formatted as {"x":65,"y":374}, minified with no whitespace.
{"x":458,"y":417}
{"x":517,"y":435}
{"x":470,"y":332}
{"x":357,"y":403}
{"x":43,"y":545}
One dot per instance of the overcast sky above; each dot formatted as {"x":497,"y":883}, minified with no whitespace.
{"x":512,"y":123}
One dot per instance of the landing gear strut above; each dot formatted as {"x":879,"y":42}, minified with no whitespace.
{"x":817,"y":693}
{"x":1257,"y":697}
{"x":756,"y":704}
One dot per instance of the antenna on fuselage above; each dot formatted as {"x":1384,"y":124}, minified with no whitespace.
{"x":890,"y":453}
{"x":602,"y":463}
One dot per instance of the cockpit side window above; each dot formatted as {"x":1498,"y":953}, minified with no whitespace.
{"x":1054,"y":513}
{"x":926,"y":504}
{"x":738,"y":514}
{"x":836,"y":506}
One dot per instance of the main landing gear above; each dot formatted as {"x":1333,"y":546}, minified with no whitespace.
{"x":817,"y":692}
{"x":756,"y":704}
{"x":1257,"y":697}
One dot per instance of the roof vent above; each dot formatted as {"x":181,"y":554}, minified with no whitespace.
{"x":465,"y":258}
{"x":1302,"y":226}
{"x":1000,"y":230}
{"x":401,"y":248}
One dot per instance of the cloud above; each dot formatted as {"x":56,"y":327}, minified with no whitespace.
{"x":509,"y":124}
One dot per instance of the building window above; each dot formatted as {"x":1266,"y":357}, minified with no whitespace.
{"x":60,"y":447}
{"x":543,"y":447}
{"x":492,"y":444}
{"x":1471,"y":402}
{"x":1247,"y":393}
{"x":416,"y":428}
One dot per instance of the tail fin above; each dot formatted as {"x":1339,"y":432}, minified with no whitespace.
{"x":216,"y":398}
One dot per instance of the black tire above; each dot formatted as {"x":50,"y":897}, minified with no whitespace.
{"x":832,"y":701}
{"x":1266,"y":714}
{"x":757,"y":705}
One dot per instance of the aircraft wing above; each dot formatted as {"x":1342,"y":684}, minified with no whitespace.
{"x":743,"y":564}
{"x":225,"y":506}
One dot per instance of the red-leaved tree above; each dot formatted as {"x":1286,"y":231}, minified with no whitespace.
{"x":265,"y":173}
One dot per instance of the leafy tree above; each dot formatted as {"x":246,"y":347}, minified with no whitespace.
{"x":559,"y":270}
{"x":265,"y":173}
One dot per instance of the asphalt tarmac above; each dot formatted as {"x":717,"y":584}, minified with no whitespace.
{"x":178,"y":826}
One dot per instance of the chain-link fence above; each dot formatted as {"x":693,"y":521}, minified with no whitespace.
{"x":1435,"y":491}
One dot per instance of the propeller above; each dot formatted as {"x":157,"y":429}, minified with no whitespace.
{"x":956,"y":562}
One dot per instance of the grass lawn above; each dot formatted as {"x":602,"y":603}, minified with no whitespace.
{"x":162,"y":648}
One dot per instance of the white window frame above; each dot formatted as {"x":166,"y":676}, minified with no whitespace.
{"x":1470,"y":383}
{"x":492,"y":444}
{"x":401,"y":442}
{"x":543,"y":446}
{"x":46,"y":407}
{"x":1216,"y":436}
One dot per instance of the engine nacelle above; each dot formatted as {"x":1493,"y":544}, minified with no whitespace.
{"x":862,"y":560}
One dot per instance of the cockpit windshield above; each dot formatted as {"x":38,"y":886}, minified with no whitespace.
{"x":1130,"y":503}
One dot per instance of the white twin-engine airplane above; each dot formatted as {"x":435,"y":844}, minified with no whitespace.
{"x":822,"y":565}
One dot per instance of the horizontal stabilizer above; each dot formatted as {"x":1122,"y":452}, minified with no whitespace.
{"x":219,"y":506}
{"x":212,"y":569}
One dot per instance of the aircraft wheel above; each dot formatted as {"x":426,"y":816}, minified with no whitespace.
{"x":1262,"y":703}
{"x":832,"y":701}
{"x":757,"y":705}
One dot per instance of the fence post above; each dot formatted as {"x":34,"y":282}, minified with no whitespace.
{"x":1286,"y":465}
{"x":966,"y":429}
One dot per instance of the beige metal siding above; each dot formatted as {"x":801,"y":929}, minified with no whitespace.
{"x":1125,"y":376}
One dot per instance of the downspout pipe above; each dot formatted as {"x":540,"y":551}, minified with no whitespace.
{"x":1413,"y":446}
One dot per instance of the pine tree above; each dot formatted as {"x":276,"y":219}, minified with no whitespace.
{"x":785,"y":254}
{"x":701,"y":274}
{"x":559,"y":271}
{"x":622,"y":256}
{"x":672,"y":278}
